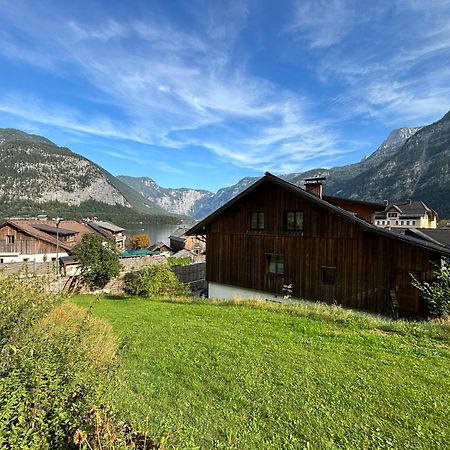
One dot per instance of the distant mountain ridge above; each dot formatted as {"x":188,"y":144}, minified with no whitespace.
{"x":411,"y":163}
{"x":37,"y":175}
{"x":176,"y":201}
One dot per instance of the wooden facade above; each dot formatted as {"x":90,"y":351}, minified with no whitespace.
{"x":13,"y":240}
{"x":335,"y":257}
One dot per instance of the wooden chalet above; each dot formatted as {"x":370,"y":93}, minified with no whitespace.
{"x":109,"y":231}
{"x":24,"y":240}
{"x":275,"y":233}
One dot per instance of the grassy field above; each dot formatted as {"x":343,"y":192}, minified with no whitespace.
{"x":201,"y":375}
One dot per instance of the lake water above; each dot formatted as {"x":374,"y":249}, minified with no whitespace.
{"x":157,"y":232}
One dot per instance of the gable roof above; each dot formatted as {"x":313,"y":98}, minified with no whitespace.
{"x":199,"y":228}
{"x":408,"y":208}
{"x":108,"y":226}
{"x":45,"y":230}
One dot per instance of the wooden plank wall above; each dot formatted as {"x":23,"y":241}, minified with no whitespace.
{"x":367,"y":264}
{"x":23,"y":243}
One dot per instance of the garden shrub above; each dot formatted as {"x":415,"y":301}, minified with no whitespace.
{"x":155,"y":280}
{"x":178,"y":261}
{"x":437,"y":293}
{"x":55,"y":358}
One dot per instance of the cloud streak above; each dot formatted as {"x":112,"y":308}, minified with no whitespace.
{"x":174,"y":89}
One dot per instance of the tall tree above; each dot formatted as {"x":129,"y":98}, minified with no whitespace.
{"x":99,"y":260}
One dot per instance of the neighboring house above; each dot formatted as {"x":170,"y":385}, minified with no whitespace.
{"x":110,"y":231}
{"x":409,"y":214}
{"x":362,"y":209}
{"x":275,"y":233}
{"x":162,"y":248}
{"x":180,"y":241}
{"x":24,"y":240}
{"x":438,"y":236}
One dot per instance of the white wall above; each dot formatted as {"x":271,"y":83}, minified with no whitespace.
{"x":216,"y":290}
{"x":39,"y":257}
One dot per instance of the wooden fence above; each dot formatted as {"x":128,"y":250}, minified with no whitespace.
{"x":194,"y":275}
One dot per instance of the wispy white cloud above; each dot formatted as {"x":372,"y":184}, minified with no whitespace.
{"x":323,"y":23}
{"x":175,"y":89}
{"x":399,"y":79}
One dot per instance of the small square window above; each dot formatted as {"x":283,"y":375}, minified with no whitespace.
{"x":257,"y":220}
{"x":328,"y":274}
{"x":276,"y":264}
{"x":293,"y":220}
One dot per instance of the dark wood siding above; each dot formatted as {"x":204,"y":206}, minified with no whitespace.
{"x":367,"y":265}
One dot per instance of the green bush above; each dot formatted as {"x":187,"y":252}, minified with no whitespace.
{"x":437,"y":293}
{"x":178,"y":261}
{"x":53,"y":357}
{"x":156,"y":280}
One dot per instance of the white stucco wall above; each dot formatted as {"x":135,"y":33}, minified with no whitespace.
{"x":216,"y":290}
{"x":18,"y":257}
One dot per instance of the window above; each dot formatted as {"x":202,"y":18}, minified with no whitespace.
{"x":1,"y":260}
{"x":391,"y":214}
{"x":293,"y":220}
{"x":257,"y":220}
{"x":276,"y":264}
{"x":328,"y":274}
{"x":407,"y":222}
{"x":413,"y":222}
{"x":402,"y":222}
{"x":10,"y":239}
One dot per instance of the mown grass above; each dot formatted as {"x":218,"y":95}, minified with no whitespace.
{"x":220,"y":375}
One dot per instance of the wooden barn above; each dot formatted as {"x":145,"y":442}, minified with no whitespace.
{"x":275,"y":233}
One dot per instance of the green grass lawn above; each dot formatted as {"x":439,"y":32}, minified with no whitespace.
{"x":205,"y":375}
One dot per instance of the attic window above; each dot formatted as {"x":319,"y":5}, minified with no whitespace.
{"x":257,"y":220}
{"x":392,"y":214}
{"x":10,"y":239}
{"x":293,"y":220}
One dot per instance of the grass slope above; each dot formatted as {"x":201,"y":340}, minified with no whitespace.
{"x":202,"y":375}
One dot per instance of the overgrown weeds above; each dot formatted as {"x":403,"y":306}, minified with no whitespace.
{"x":56,"y":360}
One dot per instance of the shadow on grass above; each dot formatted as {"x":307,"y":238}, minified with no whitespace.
{"x":118,"y":297}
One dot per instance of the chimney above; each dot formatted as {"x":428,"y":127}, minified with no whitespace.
{"x":315,"y":185}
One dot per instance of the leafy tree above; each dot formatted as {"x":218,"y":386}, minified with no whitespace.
{"x":140,"y":241}
{"x":437,"y":293}
{"x":99,"y":260}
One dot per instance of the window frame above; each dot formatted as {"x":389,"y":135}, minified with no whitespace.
{"x":279,"y":261}
{"x":260,"y":224}
{"x":296,"y":213}
{"x":10,"y":239}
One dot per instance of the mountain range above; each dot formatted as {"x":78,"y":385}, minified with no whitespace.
{"x":36,"y":175}
{"x":412,"y":163}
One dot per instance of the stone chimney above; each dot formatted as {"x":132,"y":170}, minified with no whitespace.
{"x":315,"y":185}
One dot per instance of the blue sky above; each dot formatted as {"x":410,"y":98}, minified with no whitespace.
{"x":202,"y":93}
